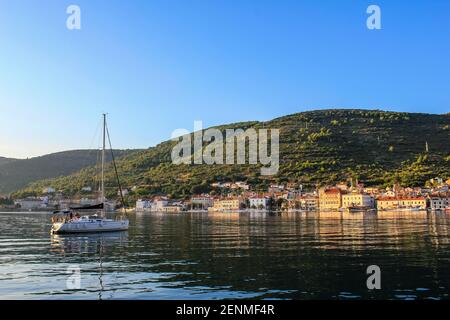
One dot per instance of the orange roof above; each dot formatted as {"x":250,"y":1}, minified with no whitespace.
{"x":333,"y":190}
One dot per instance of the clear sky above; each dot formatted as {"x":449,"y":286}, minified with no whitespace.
{"x":156,"y":66}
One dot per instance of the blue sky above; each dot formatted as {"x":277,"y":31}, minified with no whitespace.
{"x":156,"y":66}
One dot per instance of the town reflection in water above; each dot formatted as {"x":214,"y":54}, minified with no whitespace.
{"x":303,"y":255}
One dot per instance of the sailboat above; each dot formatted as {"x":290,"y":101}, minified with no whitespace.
{"x":72,"y":222}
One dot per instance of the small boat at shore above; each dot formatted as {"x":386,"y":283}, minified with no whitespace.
{"x":70,"y":221}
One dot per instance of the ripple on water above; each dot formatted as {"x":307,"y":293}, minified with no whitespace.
{"x":204,"y":256}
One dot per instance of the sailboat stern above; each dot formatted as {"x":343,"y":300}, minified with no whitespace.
{"x":56,"y":227}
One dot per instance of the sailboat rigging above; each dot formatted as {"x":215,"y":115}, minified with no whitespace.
{"x":74,"y":223}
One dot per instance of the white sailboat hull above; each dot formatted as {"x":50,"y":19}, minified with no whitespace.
{"x":97,"y":225}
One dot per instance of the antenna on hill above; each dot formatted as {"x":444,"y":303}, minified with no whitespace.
{"x":426,"y":147}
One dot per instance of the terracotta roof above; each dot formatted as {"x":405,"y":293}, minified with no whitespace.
{"x":333,"y":190}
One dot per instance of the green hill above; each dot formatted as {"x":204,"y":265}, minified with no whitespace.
{"x":18,"y":173}
{"x":316,"y":148}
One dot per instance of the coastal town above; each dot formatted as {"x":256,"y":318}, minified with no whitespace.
{"x":239,"y":196}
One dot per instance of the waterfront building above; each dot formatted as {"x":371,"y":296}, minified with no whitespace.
{"x":172,"y":208}
{"x":159,"y":203}
{"x":309,"y":202}
{"x":227,"y":204}
{"x":330,"y":199}
{"x":30,"y":203}
{"x":392,"y":203}
{"x":202,"y":202}
{"x":439,"y":202}
{"x":143,"y":205}
{"x":357,"y":200}
{"x":259,"y":202}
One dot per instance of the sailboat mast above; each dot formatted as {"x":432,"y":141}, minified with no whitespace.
{"x":103,"y":159}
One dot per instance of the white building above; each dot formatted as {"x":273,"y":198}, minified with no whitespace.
{"x":160,"y":204}
{"x":439,"y":203}
{"x":201,"y":202}
{"x":258,"y":202}
{"x":357,"y":200}
{"x":143,"y":205}
{"x":309,"y":202}
{"x":164,"y":205}
{"x":242,"y":185}
{"x":86,"y":189}
{"x":30,"y":204}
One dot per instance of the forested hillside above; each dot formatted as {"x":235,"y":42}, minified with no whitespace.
{"x":316,"y":148}
{"x":17,"y":173}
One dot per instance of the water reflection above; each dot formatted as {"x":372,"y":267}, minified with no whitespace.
{"x":89,"y":243}
{"x":232,"y":255}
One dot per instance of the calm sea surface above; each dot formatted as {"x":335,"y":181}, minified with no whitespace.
{"x":226,"y":256}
